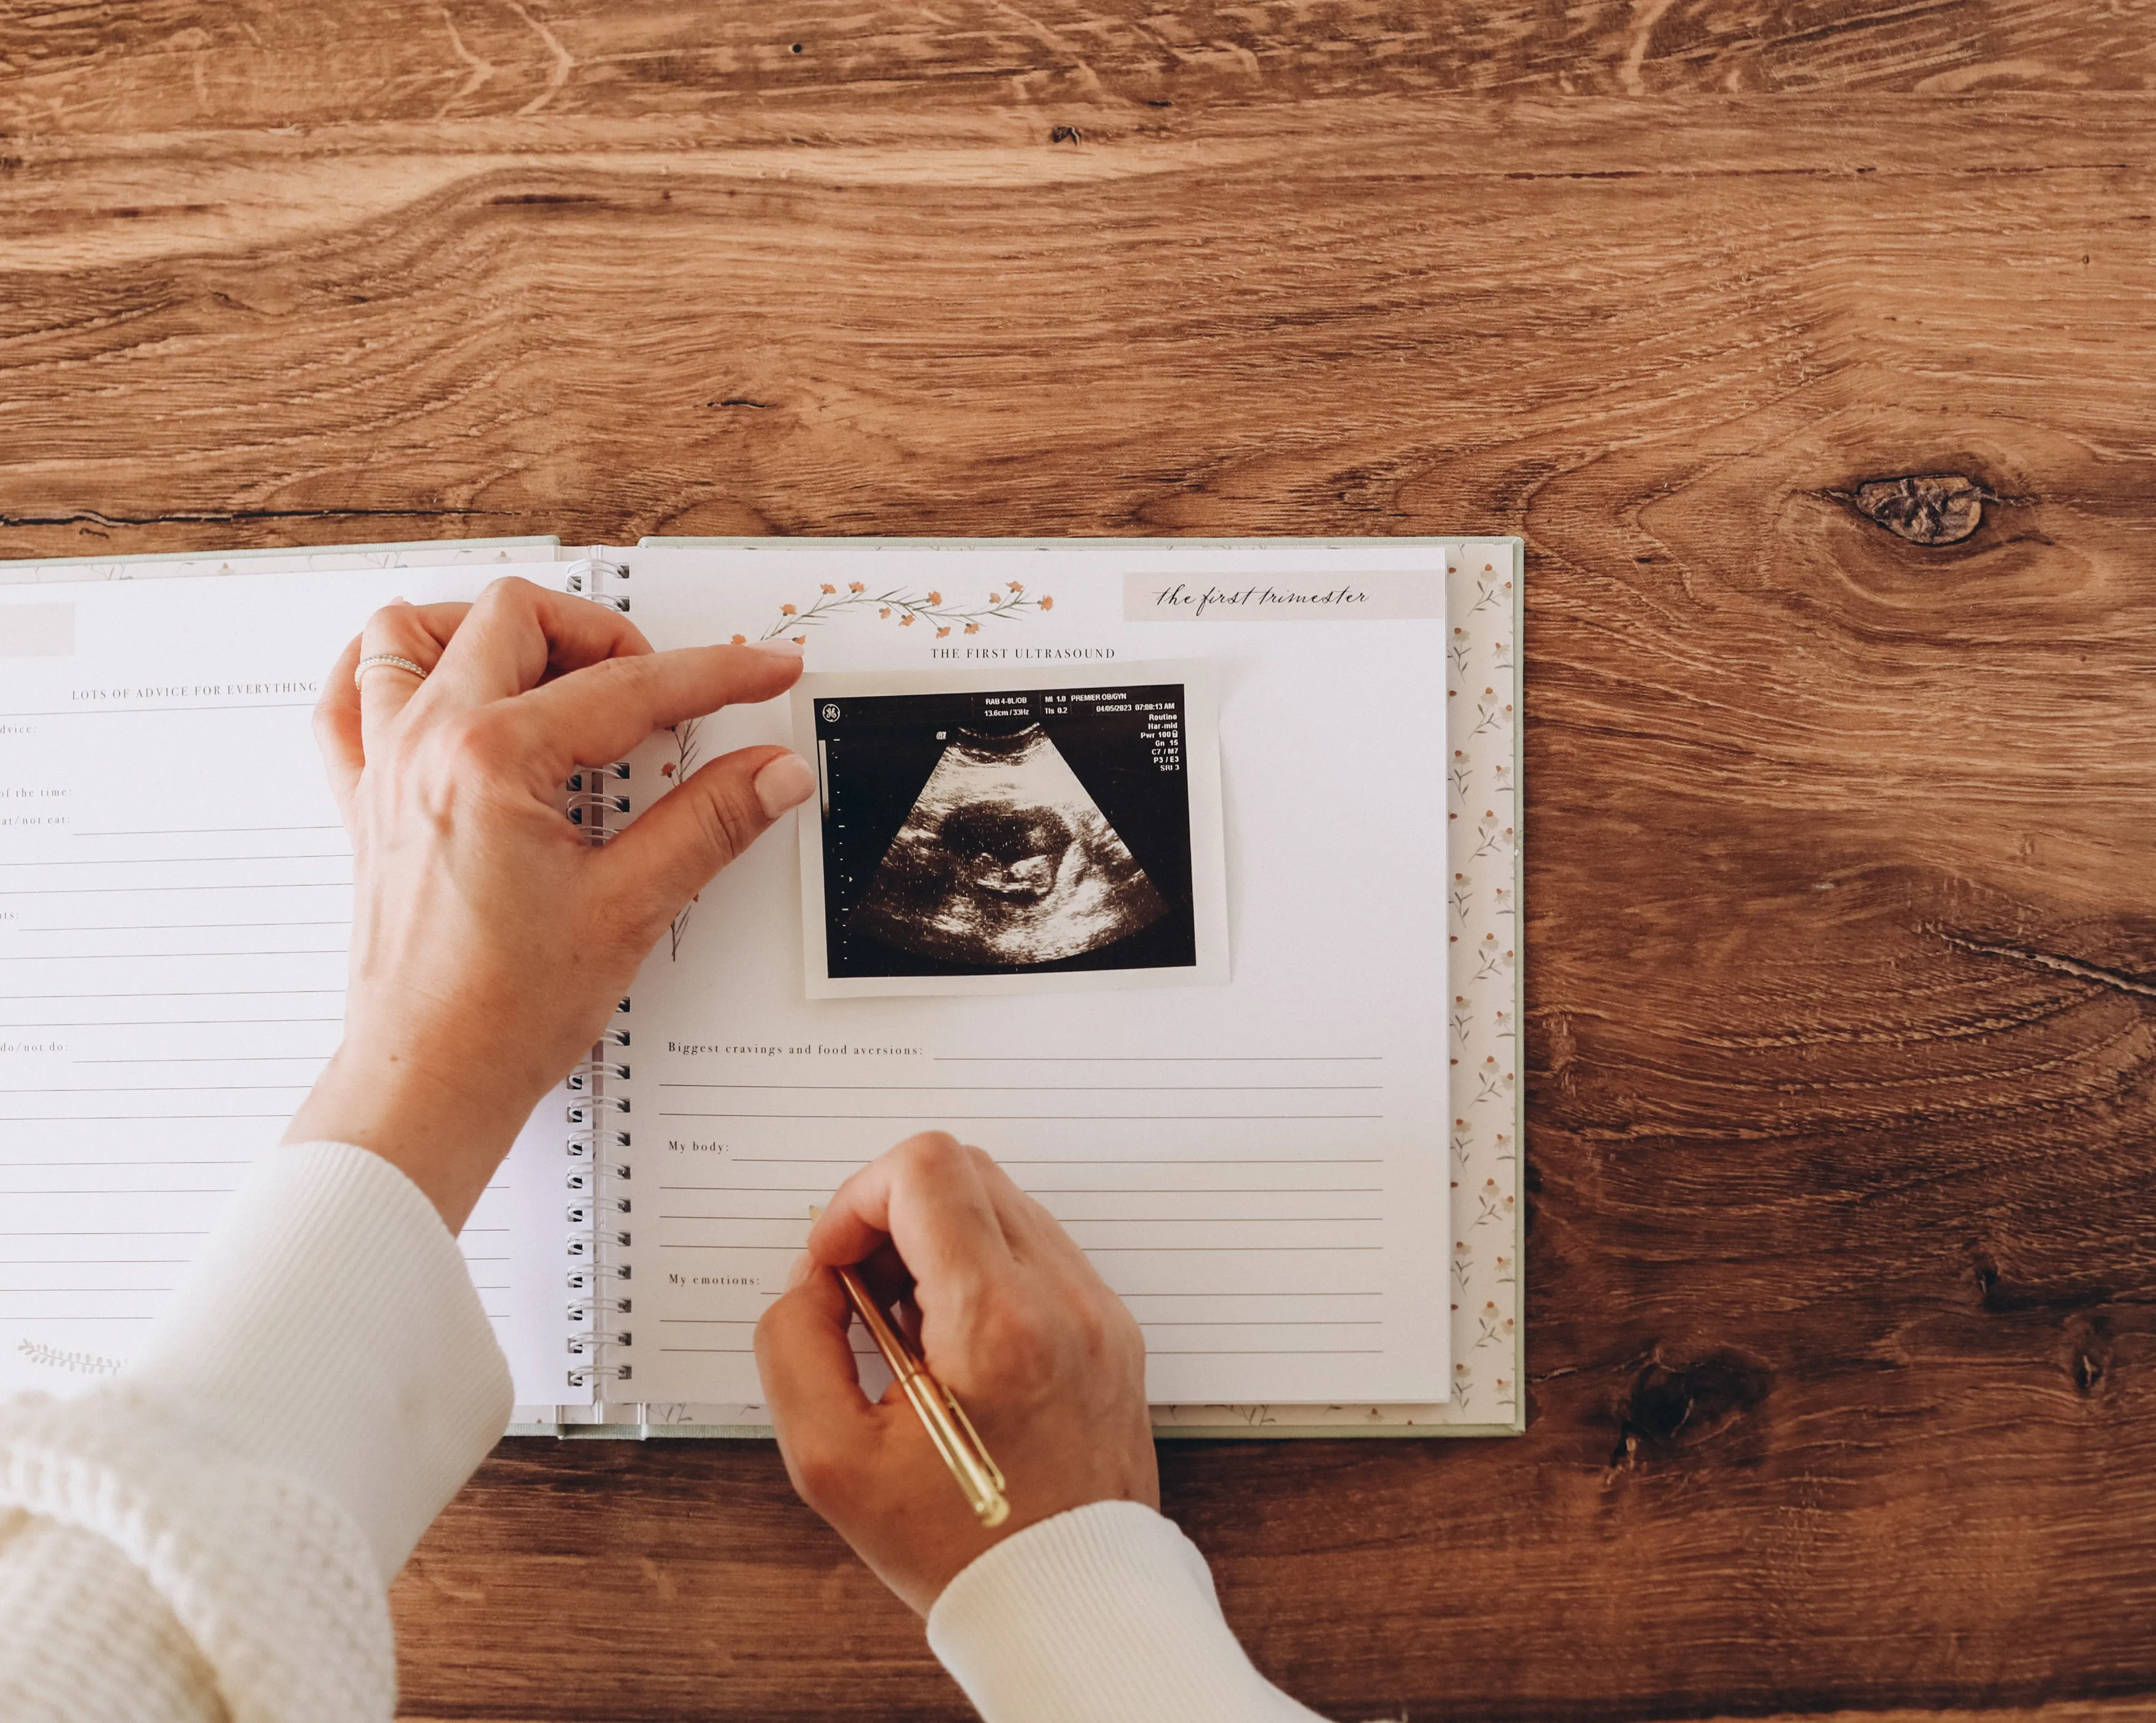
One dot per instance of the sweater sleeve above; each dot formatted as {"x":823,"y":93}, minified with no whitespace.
{"x":1106,"y":1614}
{"x":214,"y":1533}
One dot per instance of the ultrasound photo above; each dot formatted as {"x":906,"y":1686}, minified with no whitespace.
{"x":990,"y":837}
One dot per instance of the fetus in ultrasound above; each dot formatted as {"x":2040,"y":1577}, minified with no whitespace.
{"x":1005,"y":859}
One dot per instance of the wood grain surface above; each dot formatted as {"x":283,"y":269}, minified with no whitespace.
{"x":1842,"y":938}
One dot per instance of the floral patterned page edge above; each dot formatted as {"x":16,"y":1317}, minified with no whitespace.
{"x":1484,"y":869}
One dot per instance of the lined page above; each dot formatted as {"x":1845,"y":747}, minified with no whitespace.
{"x":1258,"y":1169}
{"x":175,"y":900}
{"x":1241,"y":1214}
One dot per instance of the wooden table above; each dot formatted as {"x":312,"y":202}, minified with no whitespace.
{"x":1843,"y":791}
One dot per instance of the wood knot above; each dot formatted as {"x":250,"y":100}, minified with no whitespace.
{"x":1066,"y":135}
{"x":1672,"y":1405}
{"x":2090,"y":1352}
{"x":1924,"y":508}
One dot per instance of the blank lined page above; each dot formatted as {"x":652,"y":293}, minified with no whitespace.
{"x":175,"y":898}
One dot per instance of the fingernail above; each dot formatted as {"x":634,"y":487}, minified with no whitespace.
{"x":777,"y":649}
{"x":786,"y":782}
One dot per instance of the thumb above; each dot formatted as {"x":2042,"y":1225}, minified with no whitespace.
{"x":813,"y":1386}
{"x":690,"y":833}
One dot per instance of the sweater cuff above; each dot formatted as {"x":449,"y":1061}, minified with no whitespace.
{"x":330,"y":1333}
{"x":1107,"y":1611}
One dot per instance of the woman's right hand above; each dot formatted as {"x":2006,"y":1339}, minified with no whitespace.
{"x":1012,"y":1318}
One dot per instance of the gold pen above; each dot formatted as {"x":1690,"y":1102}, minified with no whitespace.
{"x":955,"y":1439}
{"x":945,"y":1419}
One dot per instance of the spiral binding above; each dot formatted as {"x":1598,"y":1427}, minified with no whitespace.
{"x":587,"y":577}
{"x":598,"y":1208}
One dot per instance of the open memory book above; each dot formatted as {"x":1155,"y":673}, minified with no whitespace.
{"x":1181,"y":875}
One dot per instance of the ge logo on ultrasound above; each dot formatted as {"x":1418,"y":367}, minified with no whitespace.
{"x":830,"y":714}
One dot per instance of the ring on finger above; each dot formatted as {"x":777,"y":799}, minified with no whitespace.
{"x":386,"y":661}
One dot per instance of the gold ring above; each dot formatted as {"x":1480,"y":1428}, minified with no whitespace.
{"x":385,"y":660}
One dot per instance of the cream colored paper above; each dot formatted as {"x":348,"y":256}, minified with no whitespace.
{"x":1258,"y":1166}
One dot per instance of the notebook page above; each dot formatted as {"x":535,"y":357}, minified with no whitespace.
{"x":175,"y":896}
{"x":1258,"y":1168}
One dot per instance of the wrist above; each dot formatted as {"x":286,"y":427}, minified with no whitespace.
{"x":445,"y":1130}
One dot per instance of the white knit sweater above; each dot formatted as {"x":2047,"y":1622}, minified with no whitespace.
{"x":214,"y":1534}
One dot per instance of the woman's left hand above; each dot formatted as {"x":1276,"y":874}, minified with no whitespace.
{"x":490,"y":941}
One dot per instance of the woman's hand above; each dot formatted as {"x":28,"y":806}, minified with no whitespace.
{"x":1010,"y":1316}
{"x":491,"y":942}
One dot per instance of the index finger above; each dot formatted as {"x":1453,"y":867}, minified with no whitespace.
{"x":599,"y":714}
{"x":926,"y":1197}
{"x":516,"y":633}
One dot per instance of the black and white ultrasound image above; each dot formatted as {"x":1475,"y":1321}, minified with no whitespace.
{"x":1011,"y":832}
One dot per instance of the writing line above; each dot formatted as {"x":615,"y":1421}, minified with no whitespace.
{"x":119,"y":1118}
{"x":1091,"y":1250}
{"x":160,"y":1088}
{"x":1041,"y":1088}
{"x":1087,"y":1190}
{"x":193,"y":993}
{"x":1133,"y":1220}
{"x":252,"y":886}
{"x":162,"y":1022}
{"x":1079,"y":1161}
{"x":204,"y":831}
{"x":162,"y":861}
{"x":1251,"y":1295}
{"x":173,"y":926}
{"x":1151,"y":1352}
{"x":142,"y":956}
{"x":212,"y":1059}
{"x":1003,"y":1118}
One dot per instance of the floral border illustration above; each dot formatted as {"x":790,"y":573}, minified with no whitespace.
{"x":909,"y":607}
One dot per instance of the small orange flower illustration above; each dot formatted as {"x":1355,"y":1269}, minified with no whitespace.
{"x":828,"y":587}
{"x":883,"y":614}
{"x":667,"y":770}
{"x":941,"y":632}
{"x":800,"y":639}
{"x":788,"y":610}
{"x":1014,"y":586}
{"x":740,"y":640}
{"x":905,"y":622}
{"x":995,"y":597}
{"x":855,"y":586}
{"x":1048,"y":604}
{"x":934,"y":597}
{"x":972,"y":627}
